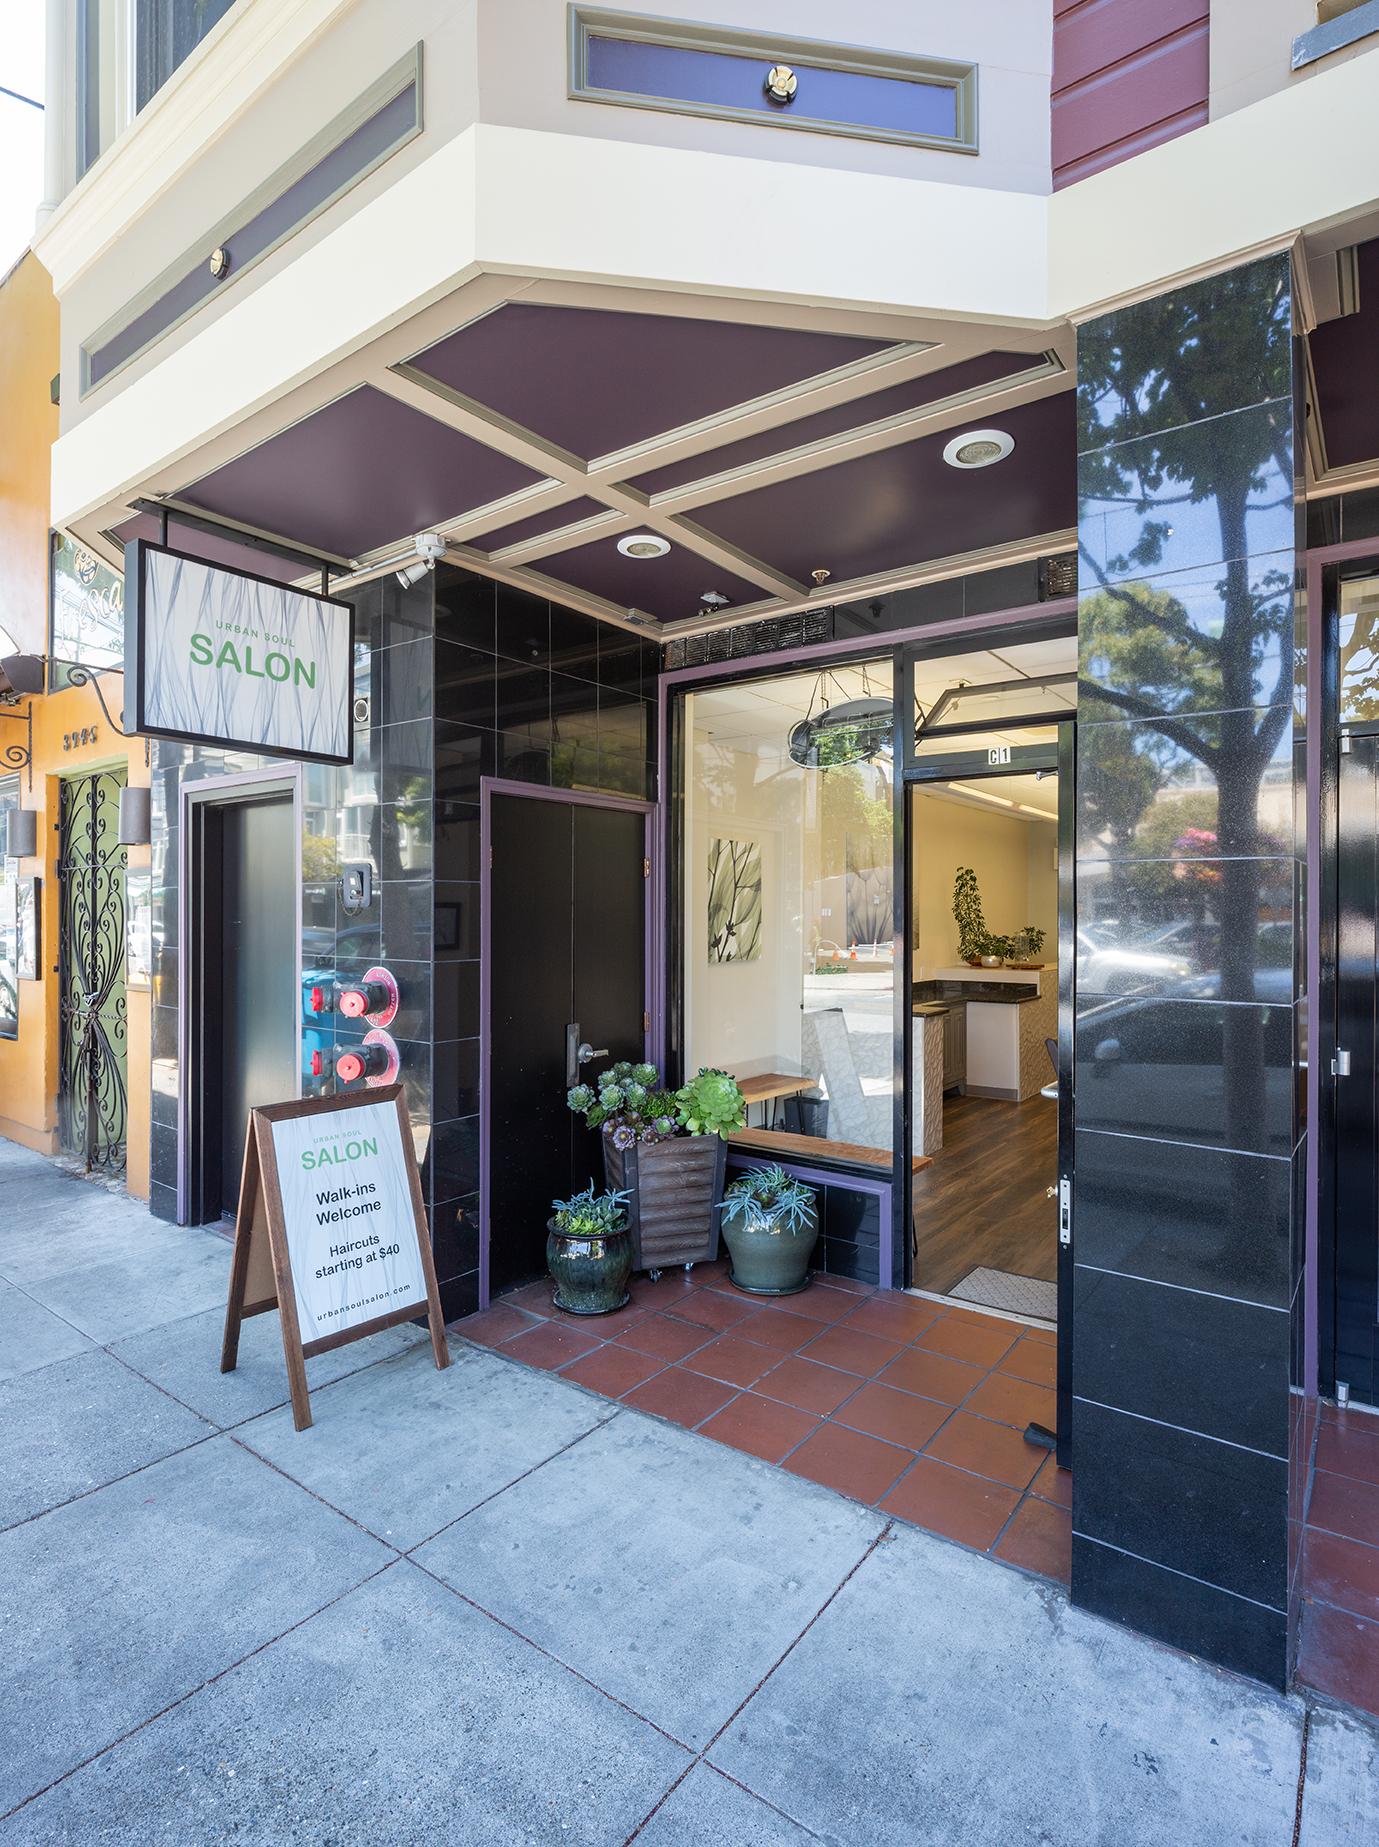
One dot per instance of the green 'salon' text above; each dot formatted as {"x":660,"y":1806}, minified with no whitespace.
{"x":337,"y":1155}
{"x":275,"y":666}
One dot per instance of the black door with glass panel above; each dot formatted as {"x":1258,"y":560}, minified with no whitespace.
{"x":567,"y":985}
{"x":92,"y":1016}
{"x":1356,"y":1084}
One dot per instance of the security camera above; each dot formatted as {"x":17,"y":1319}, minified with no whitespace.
{"x":429,"y":546}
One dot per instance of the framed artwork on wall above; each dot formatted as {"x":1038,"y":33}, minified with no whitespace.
{"x":27,"y":945}
{"x":734,"y":900}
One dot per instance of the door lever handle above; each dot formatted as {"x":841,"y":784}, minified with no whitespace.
{"x":587,"y":1052}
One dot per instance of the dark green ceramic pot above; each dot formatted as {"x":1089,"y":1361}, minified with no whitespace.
{"x":772,"y":1261}
{"x":590,"y":1274}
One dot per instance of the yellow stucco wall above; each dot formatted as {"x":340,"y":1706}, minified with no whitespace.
{"x":28,"y":361}
{"x":29,"y":1064}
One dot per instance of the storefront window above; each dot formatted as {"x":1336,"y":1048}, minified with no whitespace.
{"x":87,"y":604}
{"x":9,"y":926}
{"x":788,"y":895}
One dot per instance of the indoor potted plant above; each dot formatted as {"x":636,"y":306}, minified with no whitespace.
{"x":770,"y":1224}
{"x":589,"y":1252}
{"x":967,"y":913}
{"x":667,"y":1150}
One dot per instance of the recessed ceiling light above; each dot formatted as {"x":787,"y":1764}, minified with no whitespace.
{"x":978,"y":448}
{"x":643,"y":545}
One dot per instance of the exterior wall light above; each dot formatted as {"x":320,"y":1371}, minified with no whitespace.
{"x":978,"y":448}
{"x":21,"y":833}
{"x":643,"y":545}
{"x":136,"y":817}
{"x":430,"y":548}
{"x":781,"y":83}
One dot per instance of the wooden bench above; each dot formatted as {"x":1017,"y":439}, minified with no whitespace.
{"x":786,"y":1146}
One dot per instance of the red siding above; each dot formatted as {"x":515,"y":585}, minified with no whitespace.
{"x":1126,"y":75}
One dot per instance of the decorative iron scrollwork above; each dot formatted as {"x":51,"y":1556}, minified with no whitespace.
{"x":92,"y":1095}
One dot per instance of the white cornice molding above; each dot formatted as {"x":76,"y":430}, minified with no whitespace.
{"x":247,"y":51}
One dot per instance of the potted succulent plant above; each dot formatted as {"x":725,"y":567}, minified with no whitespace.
{"x":667,"y":1150}
{"x":770,"y":1224}
{"x":589,"y":1252}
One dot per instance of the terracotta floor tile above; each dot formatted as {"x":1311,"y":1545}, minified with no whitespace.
{"x":993,"y":1450}
{"x":1012,"y":1401}
{"x":1040,"y":1538}
{"x":1033,"y":1360}
{"x":534,"y":1297}
{"x":760,"y":1426}
{"x":848,"y":1347}
{"x":891,"y":1316}
{"x":549,"y":1346}
{"x":494,"y":1325}
{"x":670,"y":1288}
{"x":777,"y":1329}
{"x":932,"y":1375}
{"x":735,"y":1361}
{"x":612,"y":1370}
{"x":898,"y":1417}
{"x":1340,"y":1571}
{"x":666,"y":1336}
{"x":950,"y":1502}
{"x":712,"y":1308}
{"x":848,"y":1462}
{"x":965,"y":1340}
{"x":684,"y":1397}
{"x":807,"y":1385}
{"x":1340,"y":1505}
{"x":821,"y":1304}
{"x":1046,"y":1337}
{"x":1350,"y":1447}
{"x":848,"y":1284}
{"x":1339,"y":1655}
{"x":1054,"y":1484}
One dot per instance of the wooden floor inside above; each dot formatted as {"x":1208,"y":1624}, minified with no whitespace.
{"x":983,"y":1200}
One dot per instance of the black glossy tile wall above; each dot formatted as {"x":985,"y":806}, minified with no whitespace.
{"x":1198,"y":1218}
{"x":1199,"y":351}
{"x":1195,"y":1505}
{"x":1212,"y":786}
{"x":1237,"y":1632}
{"x":1188,"y":1071}
{"x":1185,"y":1033}
{"x":1214,"y":1367}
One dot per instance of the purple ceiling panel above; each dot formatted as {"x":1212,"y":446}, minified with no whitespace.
{"x":905,"y":505}
{"x":536,"y":523}
{"x":594,"y":380}
{"x":356,"y":474}
{"x":1345,"y":360}
{"x":669,"y":588}
{"x":889,"y":403}
{"x":213,"y":548}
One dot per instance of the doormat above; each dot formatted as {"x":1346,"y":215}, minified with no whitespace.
{"x":1017,"y":1295}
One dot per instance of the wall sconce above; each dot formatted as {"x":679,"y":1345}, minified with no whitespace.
{"x":21,"y":833}
{"x":136,"y":817}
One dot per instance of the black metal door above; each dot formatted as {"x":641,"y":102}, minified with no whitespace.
{"x":91,"y":971}
{"x":1357,"y":1091}
{"x":567,"y":898}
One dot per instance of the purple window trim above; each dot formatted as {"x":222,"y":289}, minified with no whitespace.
{"x":489,"y":786}
{"x":855,"y":1183}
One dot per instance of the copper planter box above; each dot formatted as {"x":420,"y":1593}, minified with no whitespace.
{"x":676,"y":1187}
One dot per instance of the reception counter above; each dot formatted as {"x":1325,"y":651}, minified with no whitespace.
{"x":1008,"y":1015}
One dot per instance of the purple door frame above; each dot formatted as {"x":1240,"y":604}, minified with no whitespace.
{"x":490,"y":786}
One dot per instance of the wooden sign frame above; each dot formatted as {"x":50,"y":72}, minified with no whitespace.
{"x":261,"y":1271}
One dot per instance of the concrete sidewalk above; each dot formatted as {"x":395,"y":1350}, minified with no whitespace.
{"x":485,"y":1606}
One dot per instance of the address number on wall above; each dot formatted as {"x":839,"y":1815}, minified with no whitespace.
{"x":999,"y":753}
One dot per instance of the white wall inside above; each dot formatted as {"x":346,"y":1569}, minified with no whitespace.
{"x":1014,"y":856}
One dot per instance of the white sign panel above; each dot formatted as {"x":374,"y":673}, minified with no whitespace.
{"x":224,"y":658}
{"x":347,"y":1210}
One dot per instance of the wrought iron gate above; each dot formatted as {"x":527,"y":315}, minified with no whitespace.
{"x":91,"y":970}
